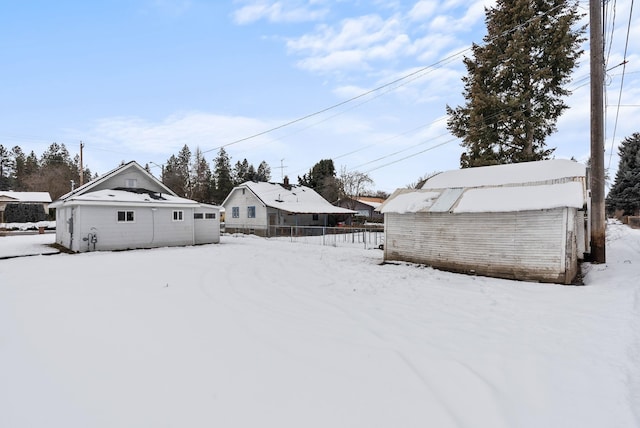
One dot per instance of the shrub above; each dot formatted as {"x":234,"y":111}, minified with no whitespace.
{"x":24,"y":213}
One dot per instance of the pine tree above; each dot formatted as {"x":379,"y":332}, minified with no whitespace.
{"x":264,"y":172}
{"x":625,"y":193}
{"x":322,"y":179}
{"x":7,"y":169}
{"x":201,"y":179}
{"x":176,"y":174}
{"x":240,"y":172}
{"x":514,"y":86}
{"x":222,"y":176}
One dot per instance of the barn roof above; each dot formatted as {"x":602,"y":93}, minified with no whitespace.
{"x":499,"y":175}
{"x":501,"y":188}
{"x":294,"y":199}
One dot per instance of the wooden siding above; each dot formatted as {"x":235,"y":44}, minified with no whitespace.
{"x":245,"y":223}
{"x":532,"y":245}
{"x":150,"y":228}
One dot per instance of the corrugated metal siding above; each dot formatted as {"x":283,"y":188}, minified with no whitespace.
{"x":520,"y":245}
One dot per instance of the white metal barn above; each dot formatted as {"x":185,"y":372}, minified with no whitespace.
{"x":255,"y":207}
{"x":129,"y":208}
{"x":526,"y":221}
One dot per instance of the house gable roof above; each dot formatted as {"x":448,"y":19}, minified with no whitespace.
{"x":109,"y":180}
{"x":500,"y":188}
{"x":115,"y":179}
{"x":296,"y":199}
{"x":37,"y":197}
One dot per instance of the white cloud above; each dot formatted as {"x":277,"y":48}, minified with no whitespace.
{"x":277,"y":11}
{"x":422,"y":10}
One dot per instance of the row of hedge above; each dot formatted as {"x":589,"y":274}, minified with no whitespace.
{"x":24,"y":213}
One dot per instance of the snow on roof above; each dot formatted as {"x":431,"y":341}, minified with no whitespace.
{"x":122,"y":196}
{"x":497,"y":175}
{"x":500,"y":188}
{"x":409,"y":201}
{"x":297,"y":199}
{"x":371,"y":203}
{"x":521,"y":198}
{"x":42,"y":197}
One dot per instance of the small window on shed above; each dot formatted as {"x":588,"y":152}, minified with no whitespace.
{"x":198,"y":216}
{"x":131,"y":182}
{"x":210,"y":216}
{"x":125,"y":216}
{"x":315,"y":217}
{"x":235,"y":212}
{"x":178,"y":215}
{"x":251,"y":212}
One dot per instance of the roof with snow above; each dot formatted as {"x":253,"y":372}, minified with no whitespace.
{"x":40,"y":197}
{"x":501,"y":188}
{"x":130,"y":197}
{"x":295,"y":199}
{"x":131,"y":165}
{"x":372,"y":202}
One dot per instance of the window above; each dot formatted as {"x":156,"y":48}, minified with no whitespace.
{"x":125,"y":216}
{"x":178,"y":215}
{"x":198,"y":216}
{"x":315,"y":217}
{"x":210,"y":216}
{"x":130,"y":182}
{"x":251,"y":212}
{"x":235,"y":212}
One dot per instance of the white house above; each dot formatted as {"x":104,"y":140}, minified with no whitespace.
{"x":260,"y":208}
{"x":129,"y":208}
{"x":11,"y":197}
{"x":526,"y":221}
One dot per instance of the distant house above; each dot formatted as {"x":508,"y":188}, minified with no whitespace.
{"x":365,"y":206}
{"x":10,"y":197}
{"x":129,"y":208}
{"x":526,"y":221}
{"x":260,"y":208}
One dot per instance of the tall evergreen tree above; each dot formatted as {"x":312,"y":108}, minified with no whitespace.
{"x":201,"y":179}
{"x":264,"y":172}
{"x":625,"y":193}
{"x":176,"y":174}
{"x":171,"y":176}
{"x":322,"y":179}
{"x":514,"y":86}
{"x":222,"y":176}
{"x":240,"y":172}
{"x":20,"y":163}
{"x":7,"y":168}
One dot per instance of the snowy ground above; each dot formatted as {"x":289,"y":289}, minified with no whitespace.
{"x":264,"y":333}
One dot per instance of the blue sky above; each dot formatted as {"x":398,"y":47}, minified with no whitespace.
{"x":139,"y":79}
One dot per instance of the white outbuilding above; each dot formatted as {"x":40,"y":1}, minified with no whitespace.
{"x":525,"y":221}
{"x":129,"y":208}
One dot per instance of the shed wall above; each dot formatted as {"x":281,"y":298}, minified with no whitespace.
{"x":207,"y":230}
{"x":529,"y":245}
{"x":150,"y":228}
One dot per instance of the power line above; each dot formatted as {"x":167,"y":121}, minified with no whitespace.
{"x":624,"y":65}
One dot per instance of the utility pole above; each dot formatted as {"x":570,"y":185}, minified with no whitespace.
{"x":81,"y":166}
{"x":598,"y":220}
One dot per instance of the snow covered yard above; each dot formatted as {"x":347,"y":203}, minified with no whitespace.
{"x":256,"y":332}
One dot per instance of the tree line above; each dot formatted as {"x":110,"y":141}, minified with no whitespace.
{"x":55,"y":171}
{"x":189,"y":174}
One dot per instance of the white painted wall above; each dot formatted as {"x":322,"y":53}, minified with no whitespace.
{"x":534,"y":245}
